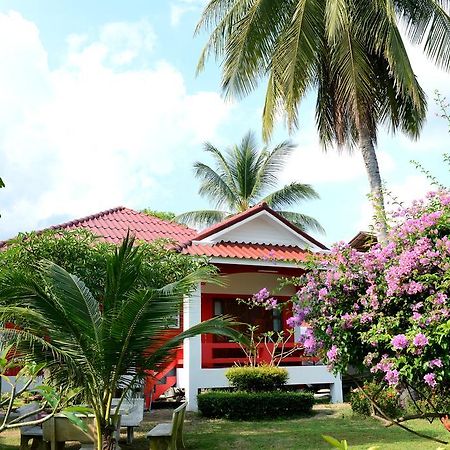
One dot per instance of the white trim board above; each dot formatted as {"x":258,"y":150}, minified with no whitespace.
{"x":256,"y":262}
{"x":287,"y":235}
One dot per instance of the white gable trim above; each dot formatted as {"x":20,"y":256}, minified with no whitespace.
{"x":256,"y":262}
{"x":303,"y":242}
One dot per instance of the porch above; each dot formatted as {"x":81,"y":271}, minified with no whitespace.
{"x":206,"y":358}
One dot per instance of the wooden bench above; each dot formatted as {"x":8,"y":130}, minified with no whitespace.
{"x":169,"y":435}
{"x":33,"y":432}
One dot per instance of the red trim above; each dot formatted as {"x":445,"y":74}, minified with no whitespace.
{"x":209,"y":346}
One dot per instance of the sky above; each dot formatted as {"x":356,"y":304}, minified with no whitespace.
{"x":100,"y":106}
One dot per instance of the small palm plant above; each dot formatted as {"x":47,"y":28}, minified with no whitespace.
{"x":92,"y":343}
{"x":244,"y":176}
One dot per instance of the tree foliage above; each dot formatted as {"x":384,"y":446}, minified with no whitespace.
{"x":244,"y":176}
{"x":163,"y":215}
{"x":387,"y":311}
{"x":92,"y":342}
{"x":83,"y":254}
{"x":350,"y":53}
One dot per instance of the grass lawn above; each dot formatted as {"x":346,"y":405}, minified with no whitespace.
{"x":302,"y":433}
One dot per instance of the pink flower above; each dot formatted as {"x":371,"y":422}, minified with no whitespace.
{"x":392,"y":377}
{"x":293,"y":322}
{"x":322,"y":293}
{"x":435,"y":363}
{"x":262,"y":295}
{"x":399,"y":342}
{"x":420,"y":340}
{"x":332,"y":353}
{"x":430,"y":379}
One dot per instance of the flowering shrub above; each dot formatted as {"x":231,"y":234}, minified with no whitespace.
{"x":386,"y":310}
{"x":387,"y":399}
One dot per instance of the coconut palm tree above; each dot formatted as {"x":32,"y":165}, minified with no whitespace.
{"x":92,"y":343}
{"x":350,"y":52}
{"x":245,"y":176}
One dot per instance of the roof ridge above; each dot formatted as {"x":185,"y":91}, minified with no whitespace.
{"x":167,"y":221}
{"x":86,"y":218}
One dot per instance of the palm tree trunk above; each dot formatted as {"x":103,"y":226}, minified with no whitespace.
{"x":106,"y":439}
{"x":376,"y":189}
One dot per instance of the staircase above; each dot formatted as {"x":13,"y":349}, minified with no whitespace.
{"x":159,"y":382}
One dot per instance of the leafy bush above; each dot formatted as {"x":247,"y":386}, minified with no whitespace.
{"x":239,"y":405}
{"x":386,"y":398}
{"x":257,"y":379}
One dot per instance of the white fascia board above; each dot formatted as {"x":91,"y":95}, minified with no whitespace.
{"x":256,"y":262}
{"x":215,"y":237}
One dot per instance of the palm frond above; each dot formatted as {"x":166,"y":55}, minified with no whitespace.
{"x":351,"y":68}
{"x":79,"y":303}
{"x":213,"y":186}
{"x":304,"y":222}
{"x":290,"y":195}
{"x":123,"y":271}
{"x":272,"y":163}
{"x":222,"y":326}
{"x":223,"y":165}
{"x":428,"y":23}
{"x":245,"y":165}
{"x":294,"y":59}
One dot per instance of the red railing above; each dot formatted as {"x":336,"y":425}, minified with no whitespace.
{"x":227,"y":354}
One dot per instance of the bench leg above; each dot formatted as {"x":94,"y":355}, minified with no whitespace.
{"x":130,"y":435}
{"x":159,"y":444}
{"x":180,"y":441}
{"x":24,"y":442}
{"x":36,"y":443}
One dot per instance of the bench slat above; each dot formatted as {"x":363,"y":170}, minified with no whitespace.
{"x":162,"y":429}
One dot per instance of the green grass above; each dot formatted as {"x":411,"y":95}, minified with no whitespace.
{"x":301,"y":433}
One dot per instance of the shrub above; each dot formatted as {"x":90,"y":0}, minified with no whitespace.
{"x":239,"y":405}
{"x":387,"y":399}
{"x":257,"y":379}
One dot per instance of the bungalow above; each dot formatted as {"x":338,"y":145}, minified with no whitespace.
{"x":251,"y":250}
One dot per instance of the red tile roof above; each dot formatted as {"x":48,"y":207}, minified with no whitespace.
{"x":251,"y":212}
{"x":247,"y":251}
{"x":113,"y":225}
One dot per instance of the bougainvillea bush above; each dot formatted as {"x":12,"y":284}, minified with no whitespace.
{"x":386,"y":311}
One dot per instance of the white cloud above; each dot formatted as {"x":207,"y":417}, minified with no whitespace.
{"x":430,"y":76}
{"x":181,"y":7}
{"x":85,"y":136}
{"x":402,"y":193}
{"x":311,"y":164}
{"x":118,"y":44}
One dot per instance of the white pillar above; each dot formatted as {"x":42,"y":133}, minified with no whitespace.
{"x":192,"y":348}
{"x":336,"y":390}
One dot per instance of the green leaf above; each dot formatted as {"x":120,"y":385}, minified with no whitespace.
{"x":335,"y":443}
{"x":76,"y":420}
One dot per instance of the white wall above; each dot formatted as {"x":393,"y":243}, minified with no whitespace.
{"x":262,"y":229}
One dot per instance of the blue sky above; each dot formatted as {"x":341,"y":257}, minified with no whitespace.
{"x":100,"y":107}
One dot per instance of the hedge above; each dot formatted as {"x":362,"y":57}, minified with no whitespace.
{"x":260,"y":378}
{"x":239,"y":405}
